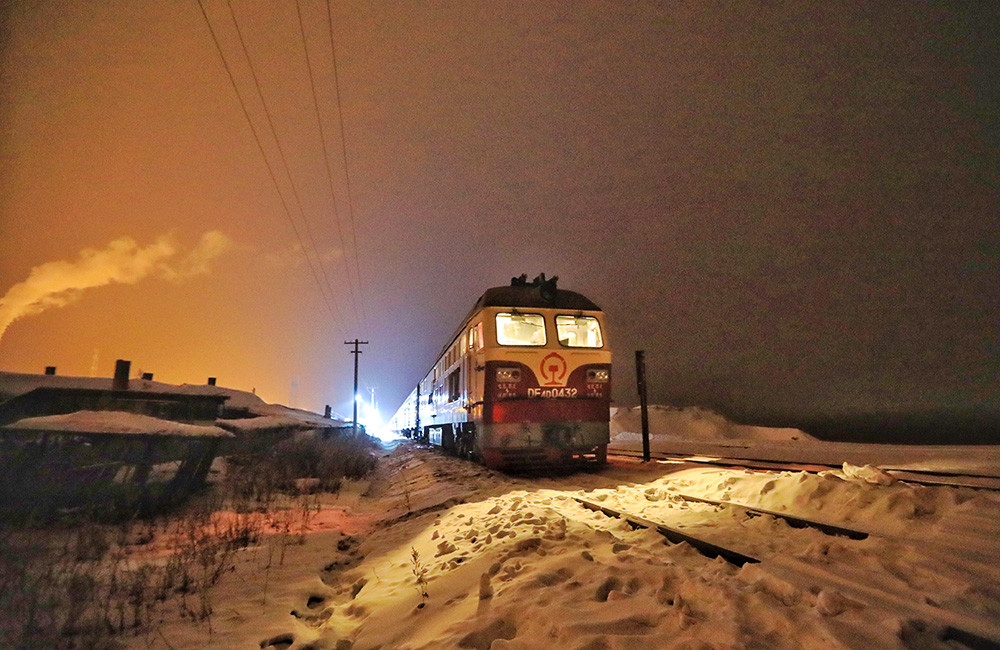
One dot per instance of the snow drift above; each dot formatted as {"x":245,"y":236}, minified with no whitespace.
{"x":693,"y":423}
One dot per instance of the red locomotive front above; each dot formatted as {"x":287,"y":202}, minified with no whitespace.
{"x":526,"y":380}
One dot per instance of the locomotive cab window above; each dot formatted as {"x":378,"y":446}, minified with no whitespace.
{"x":520,"y":329}
{"x":579,"y":331}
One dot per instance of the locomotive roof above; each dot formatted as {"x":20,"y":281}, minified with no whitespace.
{"x":531,"y":296}
{"x":539,"y":294}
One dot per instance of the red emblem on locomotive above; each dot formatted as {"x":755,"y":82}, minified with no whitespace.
{"x":553,"y":369}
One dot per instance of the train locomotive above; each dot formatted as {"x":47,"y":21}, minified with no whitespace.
{"x":525,"y":381}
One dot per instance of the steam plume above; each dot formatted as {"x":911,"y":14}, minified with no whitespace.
{"x":57,"y":284}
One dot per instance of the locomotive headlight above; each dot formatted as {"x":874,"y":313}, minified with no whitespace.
{"x":598,"y":376}
{"x":508,"y":375}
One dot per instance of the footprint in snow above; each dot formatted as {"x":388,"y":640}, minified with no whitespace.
{"x":313,"y":619}
{"x":554,"y":577}
{"x":610,"y":584}
{"x":347,"y":556}
{"x":483,"y":638}
{"x":444,"y":548}
{"x":280,"y":642}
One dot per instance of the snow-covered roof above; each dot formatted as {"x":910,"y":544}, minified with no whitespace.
{"x":13,"y":384}
{"x":17,"y":383}
{"x":117,"y":423}
{"x":269,"y":422}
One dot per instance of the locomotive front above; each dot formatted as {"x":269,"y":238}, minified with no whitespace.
{"x":545,"y":365}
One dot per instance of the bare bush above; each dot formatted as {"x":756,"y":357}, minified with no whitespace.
{"x":419,"y":574}
{"x":79,"y":583}
{"x":261,"y":476}
{"x":66,"y":589}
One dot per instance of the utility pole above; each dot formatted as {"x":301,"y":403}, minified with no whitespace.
{"x":640,"y":378}
{"x":356,"y":351}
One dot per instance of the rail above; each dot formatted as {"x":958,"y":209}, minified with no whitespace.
{"x":909,"y":476}
{"x":972,"y":631}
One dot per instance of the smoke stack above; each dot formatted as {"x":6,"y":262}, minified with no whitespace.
{"x":327,"y":414}
{"x":211,"y":381}
{"x":148,"y":376}
{"x":50,"y":370}
{"x":121,"y":375}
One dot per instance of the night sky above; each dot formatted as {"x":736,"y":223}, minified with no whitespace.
{"x":792,"y":208}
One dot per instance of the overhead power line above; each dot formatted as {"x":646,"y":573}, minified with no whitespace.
{"x":267,"y":163}
{"x":329,"y":168}
{"x":347,"y":173}
{"x":281,"y":151}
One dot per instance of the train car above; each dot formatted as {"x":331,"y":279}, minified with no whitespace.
{"x":526,"y":380}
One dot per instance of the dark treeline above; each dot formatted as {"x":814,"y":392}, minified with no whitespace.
{"x":942,"y":426}
{"x":920,"y":427}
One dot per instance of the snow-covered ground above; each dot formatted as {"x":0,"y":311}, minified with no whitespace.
{"x":433,"y":552}
{"x":439,"y":553}
{"x":699,"y":432}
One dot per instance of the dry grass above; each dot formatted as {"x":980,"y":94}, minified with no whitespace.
{"x":78,"y":583}
{"x":325,"y":463}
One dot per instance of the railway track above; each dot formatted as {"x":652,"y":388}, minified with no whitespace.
{"x":909,"y":476}
{"x":938,"y":575}
{"x":851,"y":581}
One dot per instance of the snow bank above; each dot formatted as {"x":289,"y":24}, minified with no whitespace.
{"x":854,"y":495}
{"x":693,"y":423}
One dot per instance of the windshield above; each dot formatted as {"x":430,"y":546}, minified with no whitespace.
{"x":579,"y":331}
{"x":520,"y":329}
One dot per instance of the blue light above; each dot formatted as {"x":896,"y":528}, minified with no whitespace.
{"x":375,"y":426}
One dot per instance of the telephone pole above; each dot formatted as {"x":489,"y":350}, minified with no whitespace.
{"x":356,"y":352}
{"x":640,"y":378}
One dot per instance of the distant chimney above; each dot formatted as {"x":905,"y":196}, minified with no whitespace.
{"x":211,"y":381}
{"x":148,"y":376}
{"x":327,"y":414}
{"x":121,"y":375}
{"x":50,"y":370}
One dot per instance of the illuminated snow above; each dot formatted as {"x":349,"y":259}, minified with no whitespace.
{"x":516,"y":563}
